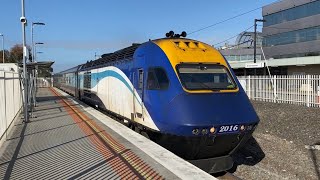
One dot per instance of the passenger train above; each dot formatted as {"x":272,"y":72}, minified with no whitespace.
{"x":181,"y":92}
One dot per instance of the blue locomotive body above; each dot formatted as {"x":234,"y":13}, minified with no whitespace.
{"x":181,"y":92}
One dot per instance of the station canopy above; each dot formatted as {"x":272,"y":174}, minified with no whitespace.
{"x":39,"y":65}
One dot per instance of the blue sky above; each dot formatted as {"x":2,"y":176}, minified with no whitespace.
{"x":75,"y":29}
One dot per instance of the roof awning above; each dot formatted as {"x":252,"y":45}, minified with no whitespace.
{"x":39,"y":65}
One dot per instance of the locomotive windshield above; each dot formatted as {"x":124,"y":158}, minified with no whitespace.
{"x":205,"y":77}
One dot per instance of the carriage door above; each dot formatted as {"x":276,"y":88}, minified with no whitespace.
{"x":78,"y":94}
{"x":138,"y":105}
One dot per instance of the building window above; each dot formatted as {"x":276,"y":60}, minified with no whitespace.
{"x":309,"y":9}
{"x":245,"y":57}
{"x":301,"y":35}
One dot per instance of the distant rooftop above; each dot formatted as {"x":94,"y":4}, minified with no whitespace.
{"x":245,"y":40}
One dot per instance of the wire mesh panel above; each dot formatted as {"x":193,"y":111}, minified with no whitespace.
{"x":292,"y":89}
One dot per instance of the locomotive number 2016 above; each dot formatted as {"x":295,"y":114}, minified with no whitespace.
{"x":231,"y":128}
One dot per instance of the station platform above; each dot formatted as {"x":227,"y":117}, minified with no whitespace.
{"x":70,"y":140}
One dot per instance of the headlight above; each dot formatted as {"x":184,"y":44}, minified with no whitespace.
{"x":195,"y":131}
{"x":242,"y":128}
{"x":212,"y":130}
{"x":204,"y":131}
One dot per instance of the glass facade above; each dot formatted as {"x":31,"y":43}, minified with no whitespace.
{"x":298,"y":12}
{"x":301,"y":35}
{"x":296,"y":55}
{"x":245,"y":57}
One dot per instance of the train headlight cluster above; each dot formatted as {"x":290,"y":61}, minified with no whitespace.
{"x":195,"y":131}
{"x":242,"y":128}
{"x":212,"y":130}
{"x":231,"y":129}
{"x":204,"y":131}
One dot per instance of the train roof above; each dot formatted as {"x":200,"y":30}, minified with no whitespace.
{"x":71,"y":70}
{"x":126,"y":53}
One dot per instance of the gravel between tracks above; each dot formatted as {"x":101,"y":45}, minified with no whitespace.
{"x":282,"y":144}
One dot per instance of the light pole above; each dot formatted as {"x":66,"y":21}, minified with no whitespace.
{"x":39,"y":52}
{"x":35,"y":73}
{"x":23,"y":21}
{"x":33,"y":24}
{"x":2,"y":47}
{"x":255,"y":38}
{"x":255,"y":42}
{"x":35,"y":50}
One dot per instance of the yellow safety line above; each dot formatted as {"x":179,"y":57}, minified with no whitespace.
{"x":114,"y":146}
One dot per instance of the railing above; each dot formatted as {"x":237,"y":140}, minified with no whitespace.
{"x":10,"y":99}
{"x":292,"y":89}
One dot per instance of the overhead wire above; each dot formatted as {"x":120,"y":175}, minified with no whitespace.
{"x":228,"y":19}
{"x":233,"y":36}
{"x":223,"y":21}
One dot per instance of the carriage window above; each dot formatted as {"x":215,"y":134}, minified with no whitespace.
{"x":205,"y":77}
{"x":87,"y":80}
{"x":140,"y":78}
{"x":157,"y":79}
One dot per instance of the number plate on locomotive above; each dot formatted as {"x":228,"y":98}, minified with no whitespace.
{"x":229,"y":129}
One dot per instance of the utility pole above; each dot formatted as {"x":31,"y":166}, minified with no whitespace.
{"x":23,"y":21}
{"x":2,"y":47}
{"x":255,"y":42}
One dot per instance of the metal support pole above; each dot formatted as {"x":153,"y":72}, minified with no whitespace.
{"x":5,"y":103}
{"x":35,"y":55}
{"x":23,"y":21}
{"x":34,"y":70}
{"x":32,"y":39}
{"x":255,"y":46}
{"x":32,"y":43}
{"x":255,"y":42}
{"x":2,"y":48}
{"x":34,"y":87}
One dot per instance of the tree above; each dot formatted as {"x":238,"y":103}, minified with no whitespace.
{"x":6,"y":56}
{"x":16,"y":53}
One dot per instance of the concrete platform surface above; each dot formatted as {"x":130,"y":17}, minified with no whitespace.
{"x":69,"y":140}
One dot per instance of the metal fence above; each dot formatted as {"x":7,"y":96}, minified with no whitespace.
{"x":292,"y":89}
{"x":10,"y":99}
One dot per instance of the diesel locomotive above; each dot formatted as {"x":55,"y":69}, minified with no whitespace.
{"x":181,"y":92}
